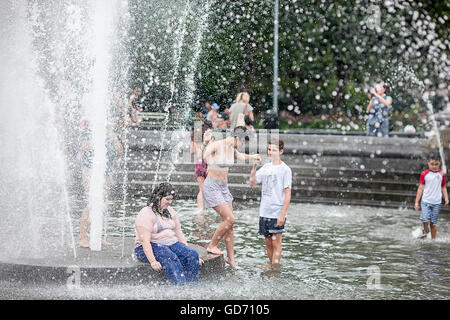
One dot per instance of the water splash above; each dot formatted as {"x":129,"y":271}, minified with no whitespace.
{"x":35,"y":221}
{"x":180,"y":138}
{"x":178,"y":45}
{"x":429,"y":105}
{"x":98,"y":101}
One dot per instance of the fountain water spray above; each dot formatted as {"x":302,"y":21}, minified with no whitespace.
{"x":99,"y":101}
{"x":178,"y":46}
{"x":35,"y":220}
{"x":179,"y":138}
{"x":426,"y":98}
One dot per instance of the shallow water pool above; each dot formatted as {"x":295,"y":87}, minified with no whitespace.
{"x":329,"y":252}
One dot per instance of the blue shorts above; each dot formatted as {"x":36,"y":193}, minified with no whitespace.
{"x":430,"y":212}
{"x":268,"y":226}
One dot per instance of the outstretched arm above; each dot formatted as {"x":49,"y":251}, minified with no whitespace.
{"x":243,"y":156}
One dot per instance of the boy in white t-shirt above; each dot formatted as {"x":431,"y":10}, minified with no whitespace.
{"x":276,"y":179}
{"x":431,"y":188}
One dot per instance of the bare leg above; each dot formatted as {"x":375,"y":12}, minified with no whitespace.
{"x":200,"y":181}
{"x":269,"y":247}
{"x":134,"y":117}
{"x":84,"y":226}
{"x":84,"y":220}
{"x":433,"y":231}
{"x":276,"y":245}
{"x":108,"y":184}
{"x":226,"y":213}
{"x":426,"y":227}
{"x":269,"y":250}
{"x":229,"y":245}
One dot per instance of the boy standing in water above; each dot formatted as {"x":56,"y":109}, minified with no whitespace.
{"x":276,"y":179}
{"x":432,"y":187}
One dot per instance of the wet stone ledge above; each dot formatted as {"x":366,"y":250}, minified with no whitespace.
{"x":106,"y":267}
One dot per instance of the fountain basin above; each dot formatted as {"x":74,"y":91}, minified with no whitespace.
{"x":99,"y":267}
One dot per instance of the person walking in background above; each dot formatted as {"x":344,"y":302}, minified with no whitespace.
{"x":205,"y":110}
{"x":160,"y":241}
{"x":378,"y":110}
{"x":215,"y":118}
{"x":197,"y":145}
{"x":124,"y":121}
{"x":114,"y":149}
{"x":276,"y":179}
{"x":220,"y":156}
{"x":431,"y":189}
{"x":240,"y":109}
{"x":134,"y":105}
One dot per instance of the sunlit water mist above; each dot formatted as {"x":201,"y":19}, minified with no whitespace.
{"x":181,"y":138}
{"x":430,"y":109}
{"x":34,"y":204}
{"x":181,"y":99}
{"x":327,"y":252}
{"x":99,"y":101}
{"x":60,"y":64}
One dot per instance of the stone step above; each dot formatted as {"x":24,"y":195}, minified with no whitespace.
{"x":242,"y":191}
{"x":306,"y":161}
{"x":297,"y":170}
{"x":306,"y":194}
{"x":294,"y":143}
{"x":298,"y":179}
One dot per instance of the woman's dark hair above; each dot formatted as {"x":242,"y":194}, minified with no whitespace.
{"x":162,"y":190}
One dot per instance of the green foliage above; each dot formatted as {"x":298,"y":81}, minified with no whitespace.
{"x":330,"y":53}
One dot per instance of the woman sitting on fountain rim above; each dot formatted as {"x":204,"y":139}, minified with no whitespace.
{"x":160,"y":241}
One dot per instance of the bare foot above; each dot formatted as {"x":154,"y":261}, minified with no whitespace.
{"x":106,"y":243}
{"x":214,"y":250}
{"x":231,"y":263}
{"x":83,"y":243}
{"x":267,"y":266}
{"x":276,"y":266}
{"x":200,"y":219}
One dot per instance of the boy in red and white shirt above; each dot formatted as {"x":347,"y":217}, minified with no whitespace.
{"x":431,"y":188}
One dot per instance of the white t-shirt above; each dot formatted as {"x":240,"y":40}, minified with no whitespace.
{"x":274,"y":180}
{"x":433,"y":181}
